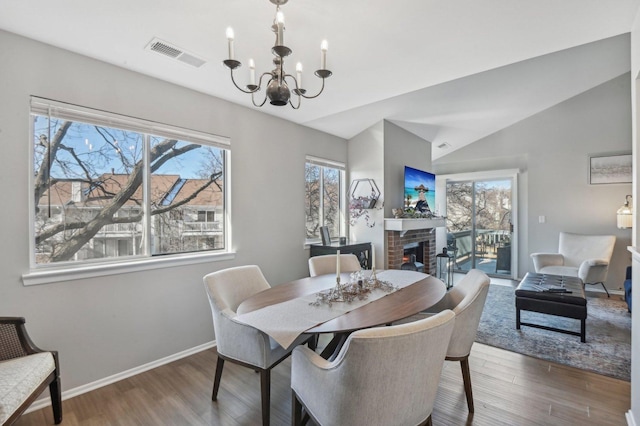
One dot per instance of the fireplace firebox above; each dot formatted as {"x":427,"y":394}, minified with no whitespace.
{"x":402,"y":246}
{"x":413,"y":257}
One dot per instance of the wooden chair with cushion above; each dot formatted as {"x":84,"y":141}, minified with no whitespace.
{"x":25,"y":371}
{"x":381,"y":376}
{"x":240,"y":343}
{"x":326,"y":264}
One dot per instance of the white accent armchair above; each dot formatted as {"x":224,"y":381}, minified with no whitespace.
{"x":240,"y":343}
{"x":326,"y":264}
{"x":381,"y":376}
{"x":584,"y":256}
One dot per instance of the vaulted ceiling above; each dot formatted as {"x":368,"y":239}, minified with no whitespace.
{"x":450,"y":71}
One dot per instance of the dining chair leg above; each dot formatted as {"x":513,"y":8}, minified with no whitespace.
{"x":265,"y":389}
{"x":296,"y":410}
{"x":466,"y":377}
{"x":216,"y":380}
{"x":56,"y":400}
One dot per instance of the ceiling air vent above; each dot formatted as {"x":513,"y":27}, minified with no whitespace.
{"x":444,"y":145}
{"x":172,"y":51}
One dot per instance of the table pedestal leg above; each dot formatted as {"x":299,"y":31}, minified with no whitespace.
{"x":331,"y":350}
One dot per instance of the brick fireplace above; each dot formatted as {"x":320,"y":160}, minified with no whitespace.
{"x":397,"y":242}
{"x":403,"y":235}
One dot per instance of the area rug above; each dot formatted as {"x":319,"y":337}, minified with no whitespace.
{"x":607,"y":350}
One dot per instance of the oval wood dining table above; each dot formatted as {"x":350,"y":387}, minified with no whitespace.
{"x":395,"y":306}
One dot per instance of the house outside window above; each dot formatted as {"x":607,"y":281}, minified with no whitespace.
{"x":206,"y":216}
{"x":324,"y":198}
{"x":110,"y":188}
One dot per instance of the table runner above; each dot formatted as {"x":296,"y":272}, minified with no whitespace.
{"x":285,"y":321}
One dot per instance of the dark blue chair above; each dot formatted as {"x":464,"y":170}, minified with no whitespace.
{"x":627,"y":288}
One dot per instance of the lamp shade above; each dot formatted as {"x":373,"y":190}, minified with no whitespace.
{"x":625,"y":215}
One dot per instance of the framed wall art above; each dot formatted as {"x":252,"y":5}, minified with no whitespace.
{"x":610,"y":168}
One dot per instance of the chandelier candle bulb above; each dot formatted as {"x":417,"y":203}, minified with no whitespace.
{"x":299,"y":74}
{"x":324,"y":46}
{"x":252,"y":72}
{"x":230,"y":39}
{"x":280,"y":26}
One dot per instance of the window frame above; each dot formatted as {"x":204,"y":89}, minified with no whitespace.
{"x":49,"y":273}
{"x":342,"y":168}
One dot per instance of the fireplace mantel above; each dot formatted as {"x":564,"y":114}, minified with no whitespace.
{"x":404,"y":225}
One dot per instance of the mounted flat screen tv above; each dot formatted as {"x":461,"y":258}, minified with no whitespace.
{"x":419,"y":190}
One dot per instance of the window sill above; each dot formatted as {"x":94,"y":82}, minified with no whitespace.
{"x":307,"y":244}
{"x":48,"y":276}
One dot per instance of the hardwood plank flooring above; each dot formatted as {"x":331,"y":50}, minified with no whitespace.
{"x":509,"y":389}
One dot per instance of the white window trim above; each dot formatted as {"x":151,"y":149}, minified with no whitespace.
{"x":441,"y":203}
{"x":323,"y":162}
{"x":104,"y":118}
{"x":53,"y":275}
{"x":46,"y":274}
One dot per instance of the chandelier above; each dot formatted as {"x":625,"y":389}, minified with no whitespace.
{"x":277,"y":88}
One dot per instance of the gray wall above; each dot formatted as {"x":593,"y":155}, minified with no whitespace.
{"x":380,"y":153}
{"x":366,"y":160}
{"x":402,"y":148}
{"x":106,"y":325}
{"x":551,"y":151}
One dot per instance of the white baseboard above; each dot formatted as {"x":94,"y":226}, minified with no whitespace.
{"x":46,"y":401}
{"x":630,"y":420}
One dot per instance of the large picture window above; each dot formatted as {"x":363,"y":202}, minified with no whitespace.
{"x":324,"y":198}
{"x":108,"y":187}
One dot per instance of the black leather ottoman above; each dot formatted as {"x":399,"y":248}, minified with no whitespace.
{"x":534,"y":294}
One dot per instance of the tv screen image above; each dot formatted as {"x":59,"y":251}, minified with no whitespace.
{"x":419,"y":190}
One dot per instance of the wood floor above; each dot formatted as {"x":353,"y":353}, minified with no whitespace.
{"x":509,"y":389}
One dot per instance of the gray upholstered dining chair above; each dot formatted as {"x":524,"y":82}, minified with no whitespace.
{"x":326,"y":264}
{"x":466,"y":299}
{"x":240,"y":343}
{"x":381,"y":376}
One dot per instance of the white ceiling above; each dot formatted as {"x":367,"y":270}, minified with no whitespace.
{"x":449,"y":71}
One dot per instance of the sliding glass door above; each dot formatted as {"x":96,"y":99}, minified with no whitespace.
{"x":480,"y":225}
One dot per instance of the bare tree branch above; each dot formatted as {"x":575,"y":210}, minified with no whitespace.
{"x":213,"y":178}
{"x":51,"y":149}
{"x":106,"y":215}
{"x":111,"y":191}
